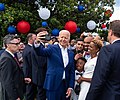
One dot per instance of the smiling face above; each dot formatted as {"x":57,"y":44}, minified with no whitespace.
{"x":80,"y":65}
{"x":92,"y":49}
{"x":79,"y":45}
{"x":64,"y":38}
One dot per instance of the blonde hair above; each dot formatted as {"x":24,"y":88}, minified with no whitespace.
{"x":98,"y":43}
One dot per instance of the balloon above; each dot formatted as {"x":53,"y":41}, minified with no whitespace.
{"x":44,"y":24}
{"x":71,"y":26}
{"x":23,"y":27}
{"x":103,"y":26}
{"x":91,"y":25}
{"x":78,"y":30}
{"x":81,"y":8}
{"x":2,"y":7}
{"x":44,"y":13}
{"x":55,"y":32}
{"x":11,"y":29}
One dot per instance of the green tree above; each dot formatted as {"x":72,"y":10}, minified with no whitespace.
{"x":61,"y":12}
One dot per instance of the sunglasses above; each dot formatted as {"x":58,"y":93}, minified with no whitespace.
{"x":14,"y":43}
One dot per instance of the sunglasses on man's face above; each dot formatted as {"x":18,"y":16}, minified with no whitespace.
{"x":14,"y":43}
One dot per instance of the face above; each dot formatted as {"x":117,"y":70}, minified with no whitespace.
{"x":64,"y":38}
{"x":92,"y":49}
{"x":80,"y":65}
{"x":86,"y":44}
{"x":21,"y":46}
{"x":72,"y":43}
{"x":13,"y":46}
{"x":109,"y":35}
{"x":79,"y":45}
{"x":33,"y":37}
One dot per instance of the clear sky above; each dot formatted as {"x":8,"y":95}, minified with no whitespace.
{"x":116,"y":13}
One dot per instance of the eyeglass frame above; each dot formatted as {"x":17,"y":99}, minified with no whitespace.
{"x":14,"y":43}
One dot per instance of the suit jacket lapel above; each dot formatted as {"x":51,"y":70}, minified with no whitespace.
{"x":12,"y":57}
{"x":60,"y":53}
{"x":68,"y":57}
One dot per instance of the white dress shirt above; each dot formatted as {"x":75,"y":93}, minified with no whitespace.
{"x":65,"y":58}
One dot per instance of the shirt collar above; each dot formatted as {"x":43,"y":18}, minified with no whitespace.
{"x":10,"y":52}
{"x":62,"y":47}
{"x":29,"y":44}
{"x":115,"y":40}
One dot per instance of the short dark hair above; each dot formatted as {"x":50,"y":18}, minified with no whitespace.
{"x":115,"y":27}
{"x":79,"y":39}
{"x":40,"y":30}
{"x":29,"y":36}
{"x":8,"y":38}
{"x":82,"y":58}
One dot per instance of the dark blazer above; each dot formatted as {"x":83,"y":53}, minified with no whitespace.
{"x":1,"y":51}
{"x":27,"y":65}
{"x":11,"y":77}
{"x":106,"y":80}
{"x":55,"y":67}
{"x":34,"y":66}
{"x":39,"y":67}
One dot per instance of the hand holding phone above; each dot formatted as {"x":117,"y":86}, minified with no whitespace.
{"x":41,"y":36}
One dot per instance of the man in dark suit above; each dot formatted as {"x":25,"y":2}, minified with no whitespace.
{"x":106,"y":80}
{"x":11,"y":75}
{"x":27,"y":67}
{"x":34,"y":67}
{"x":60,"y":75}
{"x":39,"y":67}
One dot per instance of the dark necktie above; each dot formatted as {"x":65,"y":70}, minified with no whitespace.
{"x":16,"y":60}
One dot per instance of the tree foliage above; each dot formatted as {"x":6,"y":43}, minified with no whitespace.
{"x":61,"y":12}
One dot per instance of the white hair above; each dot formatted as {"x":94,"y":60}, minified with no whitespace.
{"x":64,"y":31}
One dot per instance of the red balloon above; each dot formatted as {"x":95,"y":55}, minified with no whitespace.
{"x":71,"y":26}
{"x":103,"y":26}
{"x":23,"y":27}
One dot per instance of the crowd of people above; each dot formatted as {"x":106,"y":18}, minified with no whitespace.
{"x":60,"y":68}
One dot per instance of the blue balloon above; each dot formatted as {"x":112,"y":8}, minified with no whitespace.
{"x":81,"y":8}
{"x":78,"y":30}
{"x":44,"y":24}
{"x":2,"y":7}
{"x":55,"y":32}
{"x":11,"y":29}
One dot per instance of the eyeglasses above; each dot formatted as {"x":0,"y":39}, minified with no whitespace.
{"x":14,"y":43}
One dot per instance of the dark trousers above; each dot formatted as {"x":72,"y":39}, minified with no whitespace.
{"x":59,"y":94}
{"x":33,"y":91}
{"x":41,"y":93}
{"x":30,"y":91}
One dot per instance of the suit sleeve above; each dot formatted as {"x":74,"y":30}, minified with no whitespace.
{"x":101,"y":73}
{"x":42,"y":51}
{"x":7,"y":76}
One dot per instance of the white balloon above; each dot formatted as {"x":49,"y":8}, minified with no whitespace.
{"x":44,"y":13}
{"x":91,"y":25}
